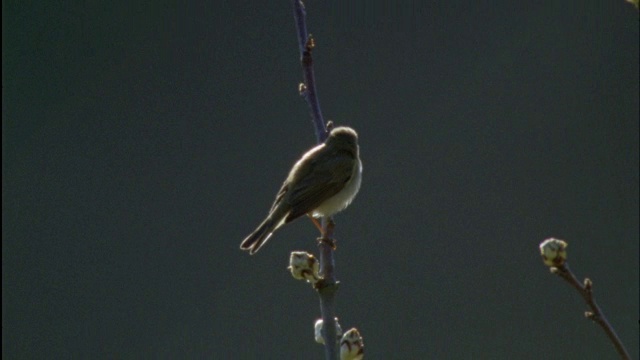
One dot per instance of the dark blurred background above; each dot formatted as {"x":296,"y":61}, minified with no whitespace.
{"x":142,"y":142}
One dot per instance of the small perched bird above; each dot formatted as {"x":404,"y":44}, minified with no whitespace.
{"x":324,"y":181}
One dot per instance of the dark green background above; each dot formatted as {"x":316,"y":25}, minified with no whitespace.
{"x":141,"y":142}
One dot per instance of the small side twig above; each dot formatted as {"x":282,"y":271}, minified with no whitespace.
{"x":586,"y":291}
{"x":554,"y":255}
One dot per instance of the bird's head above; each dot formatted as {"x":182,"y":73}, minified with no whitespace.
{"x":343,"y":136}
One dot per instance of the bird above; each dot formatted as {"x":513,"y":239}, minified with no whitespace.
{"x":324,"y":181}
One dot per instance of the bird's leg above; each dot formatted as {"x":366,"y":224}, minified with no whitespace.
{"x":330,"y":225}
{"x":317,"y":224}
{"x":323,"y":235}
{"x":331,"y":241}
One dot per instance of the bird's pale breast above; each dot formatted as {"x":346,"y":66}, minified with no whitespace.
{"x":344,"y":197}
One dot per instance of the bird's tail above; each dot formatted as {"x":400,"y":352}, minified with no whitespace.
{"x":259,"y":236}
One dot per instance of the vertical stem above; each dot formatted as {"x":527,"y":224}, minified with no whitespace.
{"x":328,"y":289}
{"x":327,"y":292}
{"x":305,"y":46}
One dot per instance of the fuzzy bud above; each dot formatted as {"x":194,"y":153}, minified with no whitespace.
{"x":352,"y":345}
{"x":554,"y":252}
{"x":317,"y":329}
{"x":304,"y":266}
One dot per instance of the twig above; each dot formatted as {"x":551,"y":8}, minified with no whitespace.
{"x":308,"y":90}
{"x":328,"y":287}
{"x":586,"y":290}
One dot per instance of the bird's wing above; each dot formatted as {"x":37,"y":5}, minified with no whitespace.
{"x":280,"y":196}
{"x":322,"y":180}
{"x":302,"y":167}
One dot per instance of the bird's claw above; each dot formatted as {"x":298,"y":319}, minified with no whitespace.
{"x":328,"y":241}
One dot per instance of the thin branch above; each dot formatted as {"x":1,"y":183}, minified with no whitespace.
{"x":586,"y":291}
{"x":306,"y":45}
{"x":328,"y":286}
